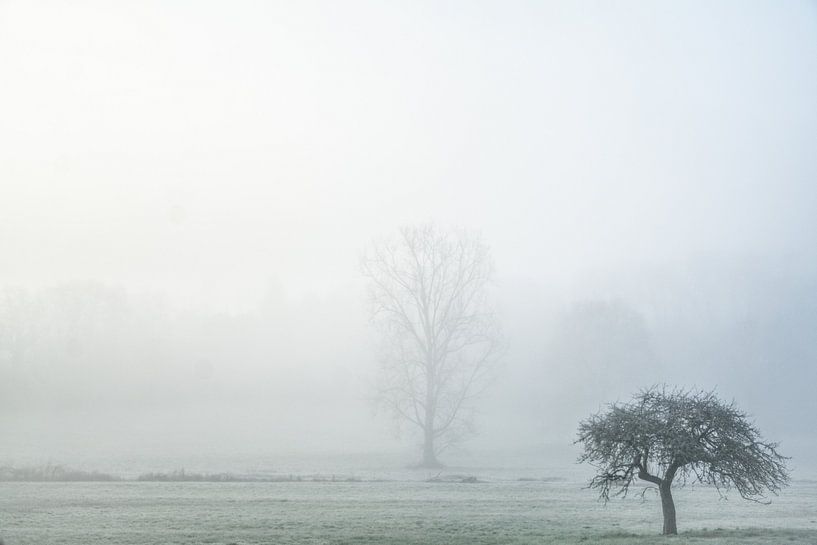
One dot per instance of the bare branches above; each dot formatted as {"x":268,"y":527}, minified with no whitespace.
{"x":427,"y":290}
{"x":664,"y":433}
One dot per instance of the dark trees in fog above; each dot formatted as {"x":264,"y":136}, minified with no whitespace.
{"x":19,"y":314}
{"x":64,"y":344}
{"x":428,"y":293}
{"x":674,"y":436}
{"x":597,"y":345}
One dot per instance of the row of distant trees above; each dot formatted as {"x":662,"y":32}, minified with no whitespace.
{"x":66,"y":334}
{"x":87,"y":343}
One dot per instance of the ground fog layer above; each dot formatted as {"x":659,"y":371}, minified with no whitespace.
{"x":400,"y":512}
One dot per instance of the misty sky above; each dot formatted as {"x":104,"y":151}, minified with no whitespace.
{"x":206,"y":151}
{"x":222,"y":155}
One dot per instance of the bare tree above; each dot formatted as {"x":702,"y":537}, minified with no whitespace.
{"x":428,"y":293}
{"x":672,"y":435}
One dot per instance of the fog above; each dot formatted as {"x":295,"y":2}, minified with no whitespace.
{"x":186,"y":190}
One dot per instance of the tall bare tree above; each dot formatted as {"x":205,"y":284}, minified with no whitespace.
{"x":428,"y":291}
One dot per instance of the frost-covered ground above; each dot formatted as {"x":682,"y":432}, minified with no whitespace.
{"x":501,"y":508}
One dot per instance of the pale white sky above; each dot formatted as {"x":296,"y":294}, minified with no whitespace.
{"x":204,"y":149}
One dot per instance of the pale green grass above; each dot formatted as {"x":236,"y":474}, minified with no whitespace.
{"x":509,"y":512}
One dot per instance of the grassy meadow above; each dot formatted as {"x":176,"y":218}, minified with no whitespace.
{"x":521,"y":511}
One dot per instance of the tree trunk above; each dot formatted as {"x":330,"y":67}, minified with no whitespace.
{"x":429,"y":456}
{"x":668,"y":507}
{"x":429,"y":453}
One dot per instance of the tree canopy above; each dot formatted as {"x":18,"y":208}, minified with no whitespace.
{"x":669,"y":435}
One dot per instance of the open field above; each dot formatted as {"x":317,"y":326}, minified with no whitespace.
{"x":400,"y":512}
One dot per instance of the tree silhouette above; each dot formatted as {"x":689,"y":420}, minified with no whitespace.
{"x":666,"y":436}
{"x":427,"y":288}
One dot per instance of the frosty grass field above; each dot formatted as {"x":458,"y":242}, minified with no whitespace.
{"x":501,"y":510}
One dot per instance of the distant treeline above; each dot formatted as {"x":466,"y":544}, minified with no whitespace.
{"x":52,"y":473}
{"x":183,"y":476}
{"x":57,"y":473}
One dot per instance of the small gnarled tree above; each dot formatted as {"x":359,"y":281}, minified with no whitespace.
{"x":428,"y":291}
{"x":673,"y":436}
